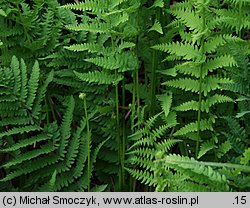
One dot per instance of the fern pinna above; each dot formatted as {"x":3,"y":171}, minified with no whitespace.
{"x":200,"y":71}
{"x":36,"y":152}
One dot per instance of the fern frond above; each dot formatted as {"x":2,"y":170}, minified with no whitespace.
{"x":66,"y":125}
{"x":45,"y":149}
{"x":89,"y":5}
{"x":33,"y":85}
{"x":166,"y":102}
{"x":90,"y":47}
{"x":205,"y":104}
{"x":95,"y":27}
{"x":210,"y":83}
{"x":37,"y":106}
{"x":123,"y":62}
{"x":19,"y":130}
{"x":219,"y":62}
{"x":158,"y":3}
{"x":186,"y":51}
{"x":205,"y":124}
{"x":195,"y":166}
{"x":206,"y":147}
{"x":246,"y":157}
{"x":190,"y":19}
{"x":99,"y":77}
{"x":213,"y":43}
{"x":144,"y":176}
{"x":157,"y":27}
{"x":26,"y":142}
{"x":223,"y":149}
{"x":50,"y":185}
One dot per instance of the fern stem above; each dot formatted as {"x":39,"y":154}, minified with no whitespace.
{"x":133,"y":103}
{"x":119,"y":142}
{"x":118,"y":138}
{"x":240,"y":23}
{"x":138,"y":96}
{"x":83,"y":96}
{"x":123,"y":132}
{"x":200,"y":86}
{"x":153,"y":71}
{"x":47,"y":110}
{"x":52,"y":108}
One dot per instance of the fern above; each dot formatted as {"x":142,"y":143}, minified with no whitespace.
{"x":36,"y":151}
{"x":112,"y":55}
{"x":30,"y":32}
{"x":200,"y":72}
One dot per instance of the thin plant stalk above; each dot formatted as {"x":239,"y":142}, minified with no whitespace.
{"x":123,"y":131}
{"x":119,"y":142}
{"x":155,"y":61}
{"x":200,"y":87}
{"x":83,"y":96}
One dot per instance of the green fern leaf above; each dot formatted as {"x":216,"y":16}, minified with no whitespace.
{"x":205,"y":104}
{"x":205,"y":124}
{"x":88,"y":5}
{"x":2,"y":13}
{"x":210,"y":83}
{"x":190,"y":19}
{"x":213,"y":43}
{"x":26,"y":142}
{"x":158,"y":3}
{"x":166,"y":102}
{"x":90,"y":47}
{"x":186,"y":51}
{"x":246,"y":157}
{"x":223,"y":149}
{"x":144,"y":176}
{"x":205,"y":147}
{"x":33,"y":85}
{"x":156,"y":27}
{"x":19,"y":130}
{"x":49,"y":186}
{"x":66,"y":125}
{"x":195,"y":166}
{"x":99,"y":188}
{"x":99,"y":77}
{"x":45,"y":149}
{"x":37,"y":106}
{"x":219,"y":62}
{"x":95,"y":27}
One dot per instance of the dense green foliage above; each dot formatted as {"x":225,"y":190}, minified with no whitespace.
{"x":124,"y":95}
